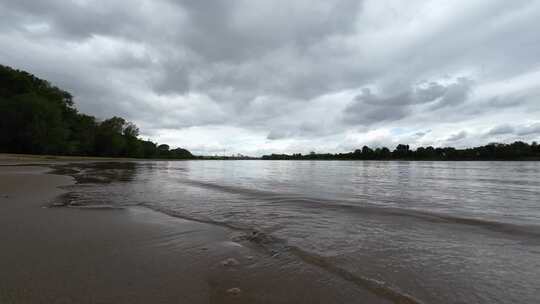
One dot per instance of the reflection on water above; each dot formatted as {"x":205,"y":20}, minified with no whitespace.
{"x":442,"y":232}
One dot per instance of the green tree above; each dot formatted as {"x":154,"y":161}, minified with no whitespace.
{"x":109,"y":138}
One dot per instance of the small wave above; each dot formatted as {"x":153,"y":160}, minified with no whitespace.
{"x":97,"y":172}
{"x":228,"y":188}
{"x":377,"y":287}
{"x":98,"y":207}
{"x":273,"y":199}
{"x":508,"y":228}
{"x":195,"y":219}
{"x":366,"y":208}
{"x":276,"y":246}
{"x":72,"y":200}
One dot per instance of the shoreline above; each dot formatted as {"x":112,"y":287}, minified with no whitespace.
{"x":136,"y":255}
{"x":35,"y":159}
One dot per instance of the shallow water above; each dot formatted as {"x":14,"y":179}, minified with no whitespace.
{"x":432,"y":232}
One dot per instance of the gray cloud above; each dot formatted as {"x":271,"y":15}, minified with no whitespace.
{"x":457,"y":136}
{"x":422,"y":133}
{"x":517,"y":131}
{"x":501,"y":102}
{"x":502,"y":129}
{"x":533,"y":129}
{"x":78,"y":19}
{"x":368,"y":108}
{"x":235,"y":31}
{"x":345,"y":71}
{"x":455,"y":93}
{"x":174,"y":81}
{"x":276,"y":134}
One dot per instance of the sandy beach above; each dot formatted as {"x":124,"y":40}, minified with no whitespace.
{"x":135,"y":255}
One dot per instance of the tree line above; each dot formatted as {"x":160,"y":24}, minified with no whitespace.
{"x":38,"y":118}
{"x":494,"y":151}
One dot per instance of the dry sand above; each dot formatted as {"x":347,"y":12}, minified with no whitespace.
{"x":134,"y":255}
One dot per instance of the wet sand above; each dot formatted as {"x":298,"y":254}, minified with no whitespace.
{"x":135,"y":255}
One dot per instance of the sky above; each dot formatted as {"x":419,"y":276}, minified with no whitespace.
{"x":290,"y":76}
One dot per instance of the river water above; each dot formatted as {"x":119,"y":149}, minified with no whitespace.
{"x":435,"y":232}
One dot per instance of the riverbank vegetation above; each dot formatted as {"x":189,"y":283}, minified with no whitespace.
{"x":39,"y":118}
{"x":494,"y":151}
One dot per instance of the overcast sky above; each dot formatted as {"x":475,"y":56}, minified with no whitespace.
{"x":257,"y":77}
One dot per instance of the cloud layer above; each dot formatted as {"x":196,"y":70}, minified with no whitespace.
{"x":257,"y":77}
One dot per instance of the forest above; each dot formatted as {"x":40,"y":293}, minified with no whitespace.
{"x":493,"y":151}
{"x":39,"y":118}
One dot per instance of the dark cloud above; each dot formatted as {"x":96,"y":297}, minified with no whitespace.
{"x":226,"y":31}
{"x":275,"y":134}
{"x":457,"y":136}
{"x":501,"y":102}
{"x":422,"y":133}
{"x":432,"y":92}
{"x":502,"y":129}
{"x":369,"y":108}
{"x":533,"y":129}
{"x":517,"y":131}
{"x":455,"y":93}
{"x":296,"y":70}
{"x":79,"y":19}
{"x":174,"y":81}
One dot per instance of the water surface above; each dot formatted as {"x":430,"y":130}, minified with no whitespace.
{"x":435,"y":232}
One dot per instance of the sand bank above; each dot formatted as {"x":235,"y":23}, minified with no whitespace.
{"x":135,"y":255}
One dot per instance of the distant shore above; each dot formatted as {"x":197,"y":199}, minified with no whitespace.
{"x":10,"y":159}
{"x":135,"y":255}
